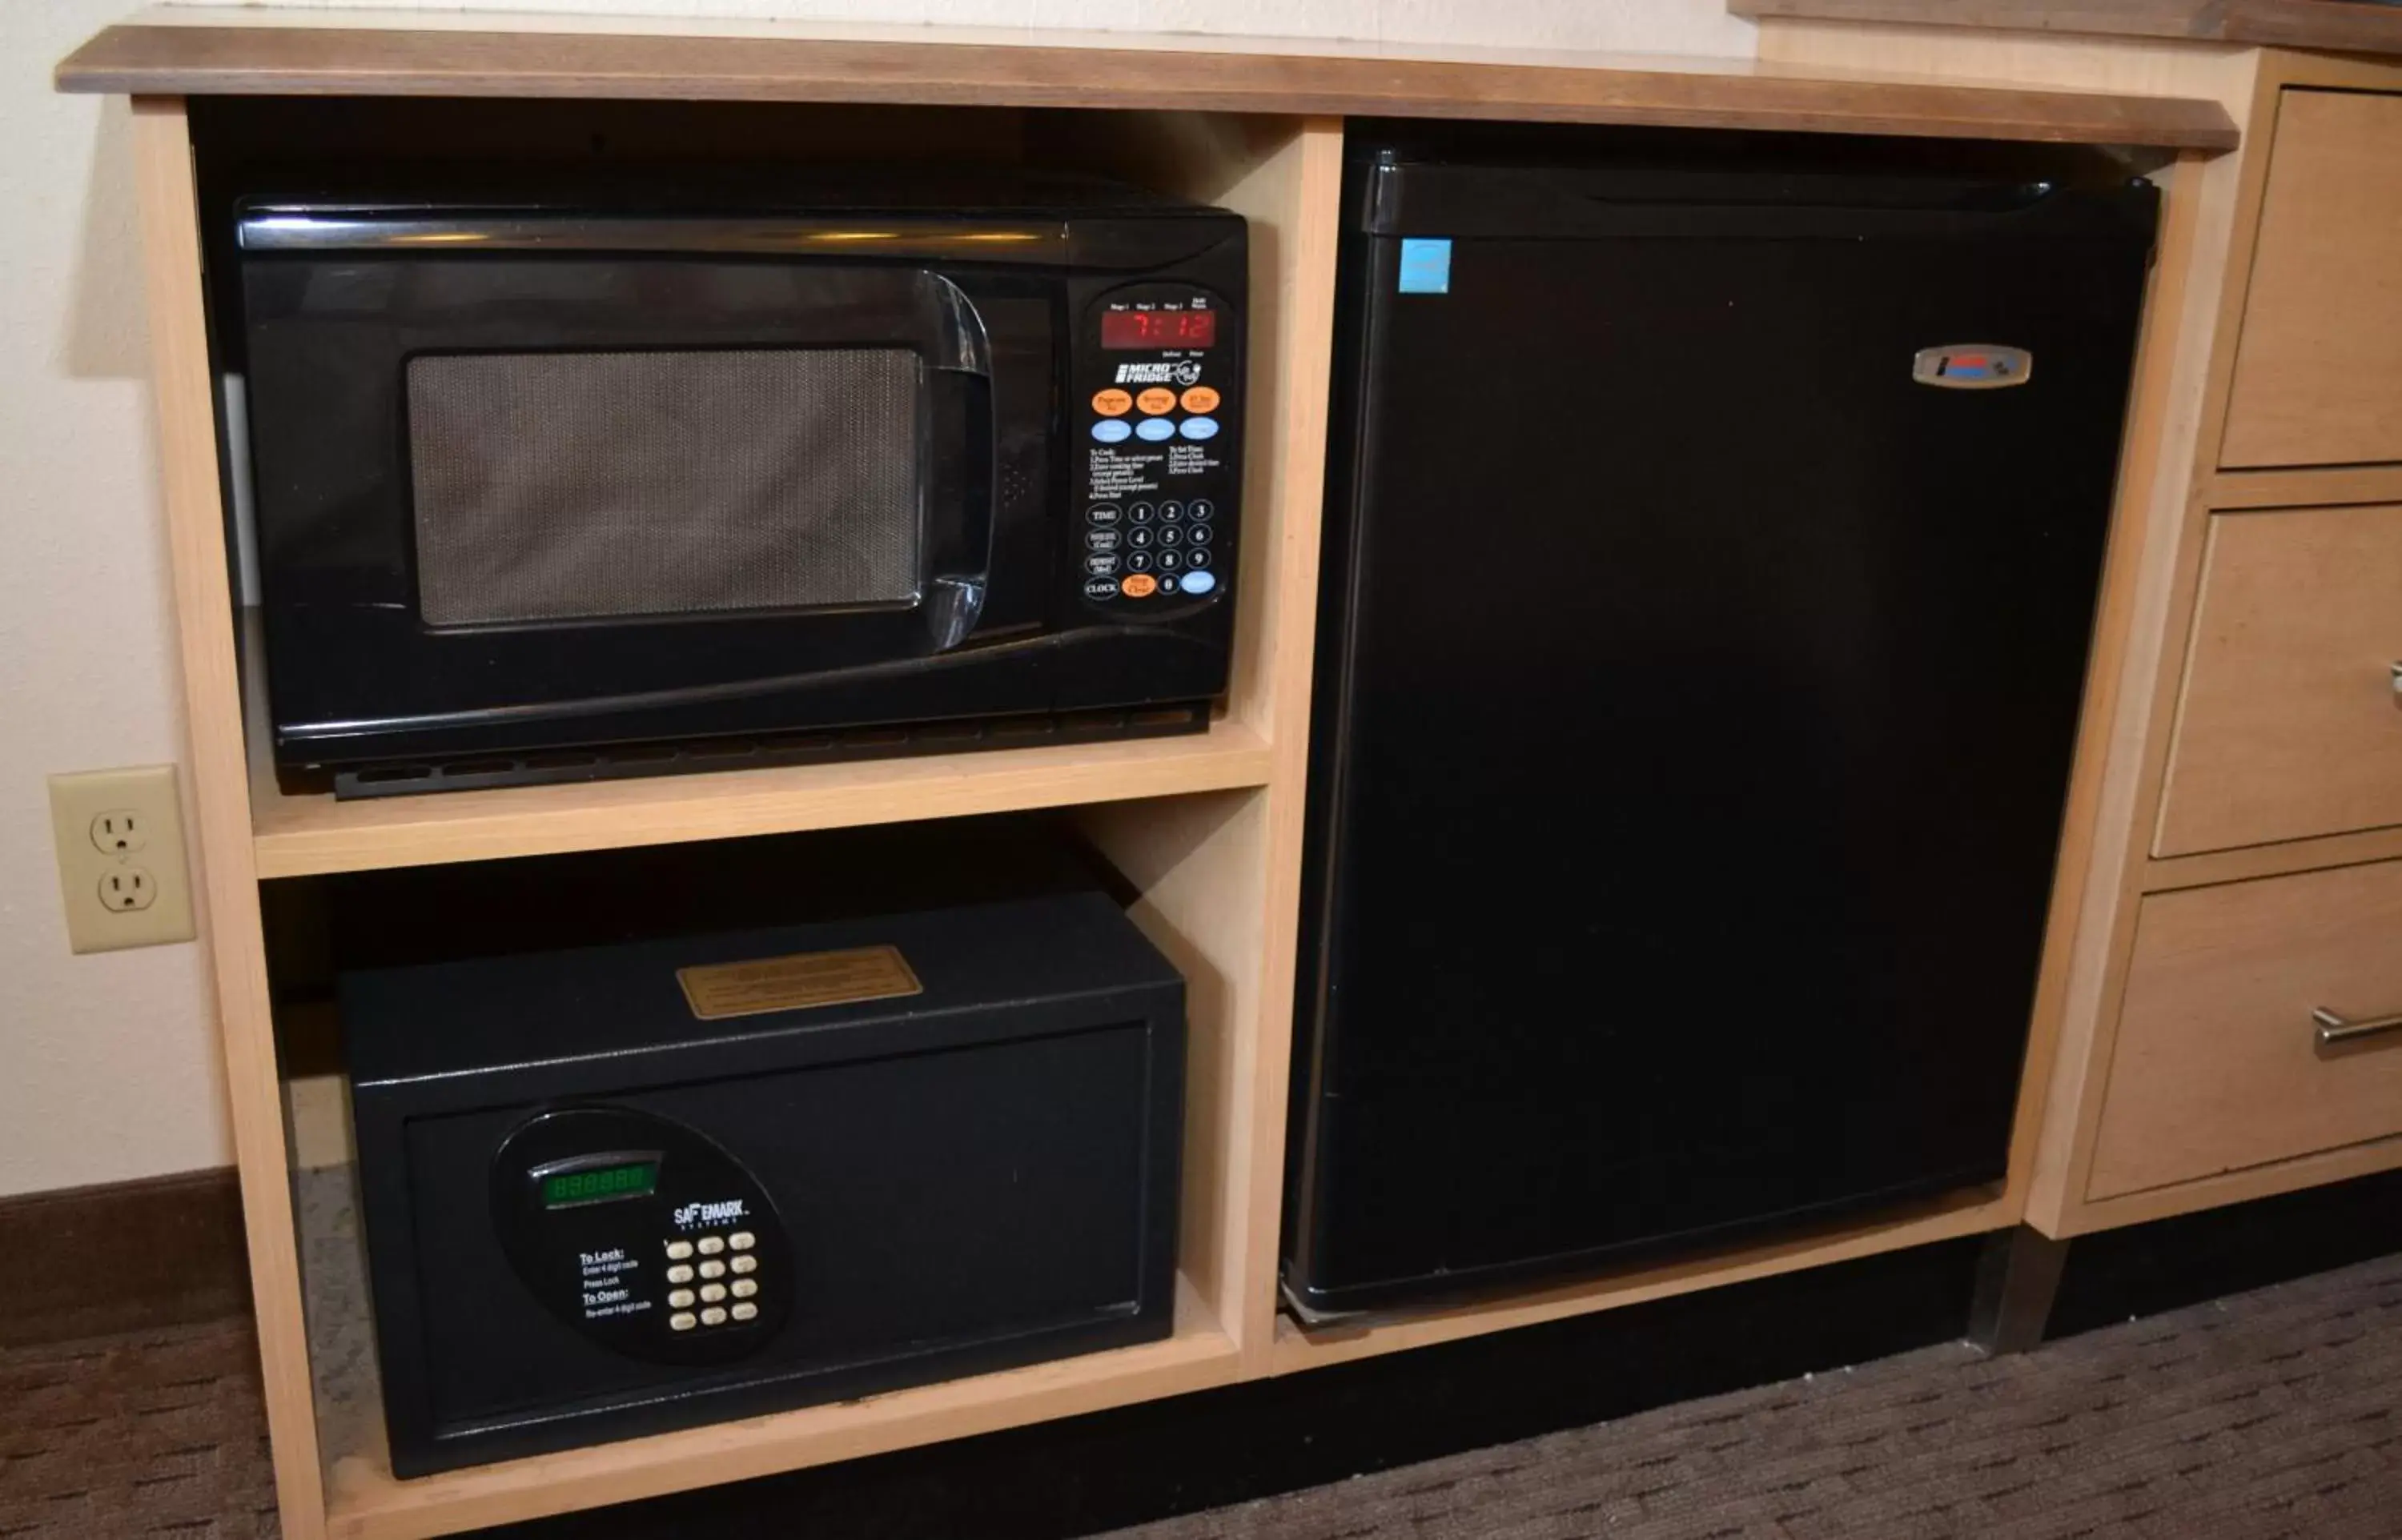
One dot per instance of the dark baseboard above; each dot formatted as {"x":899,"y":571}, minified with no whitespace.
{"x":89,"y":1262}
{"x":2143,"y":1270}
{"x":1084,"y":1475}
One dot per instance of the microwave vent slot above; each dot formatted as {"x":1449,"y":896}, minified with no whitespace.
{"x":899,"y":740}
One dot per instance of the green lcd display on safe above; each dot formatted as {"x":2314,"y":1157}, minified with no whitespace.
{"x":598,"y":1184}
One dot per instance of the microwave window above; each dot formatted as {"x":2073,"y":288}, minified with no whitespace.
{"x":558,"y":486}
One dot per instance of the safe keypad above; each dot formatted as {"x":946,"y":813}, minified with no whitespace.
{"x":720,"y":1254}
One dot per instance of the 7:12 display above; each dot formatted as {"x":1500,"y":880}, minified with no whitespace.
{"x":1121,"y":329}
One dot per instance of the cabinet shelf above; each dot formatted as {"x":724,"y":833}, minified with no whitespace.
{"x":303,"y":836}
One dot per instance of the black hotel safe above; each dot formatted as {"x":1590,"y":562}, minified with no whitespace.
{"x":618,"y":1189}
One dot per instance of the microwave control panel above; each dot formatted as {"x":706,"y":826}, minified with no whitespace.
{"x":1158,"y":376}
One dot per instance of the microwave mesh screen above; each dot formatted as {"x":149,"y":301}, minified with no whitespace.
{"x":582,"y":486}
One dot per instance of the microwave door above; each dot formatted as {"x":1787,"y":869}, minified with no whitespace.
{"x":589,"y":487}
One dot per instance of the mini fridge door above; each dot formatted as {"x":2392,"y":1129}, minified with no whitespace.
{"x":1700,"y":671}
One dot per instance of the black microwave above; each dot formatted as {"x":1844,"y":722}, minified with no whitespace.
{"x":554,"y":488}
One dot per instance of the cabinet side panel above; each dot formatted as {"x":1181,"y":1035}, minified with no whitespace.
{"x":227,"y":890}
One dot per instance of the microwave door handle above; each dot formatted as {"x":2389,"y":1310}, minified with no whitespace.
{"x":958,"y":504}
{"x":958,"y":496}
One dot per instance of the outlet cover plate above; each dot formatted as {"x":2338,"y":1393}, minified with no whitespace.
{"x":109,"y":823}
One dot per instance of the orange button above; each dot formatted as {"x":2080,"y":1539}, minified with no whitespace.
{"x":1200,"y":399}
{"x":1111,"y":403}
{"x":1140,"y":586}
{"x":1156,"y":401}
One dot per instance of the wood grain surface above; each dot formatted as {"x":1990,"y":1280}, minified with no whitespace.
{"x":204,"y":52}
{"x":2338,"y":25}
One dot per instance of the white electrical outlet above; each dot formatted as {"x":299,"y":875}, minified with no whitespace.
{"x":121,"y":872}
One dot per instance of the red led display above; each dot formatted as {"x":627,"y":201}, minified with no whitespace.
{"x":1159,"y":328}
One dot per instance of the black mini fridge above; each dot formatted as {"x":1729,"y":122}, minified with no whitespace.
{"x":1713,"y":533}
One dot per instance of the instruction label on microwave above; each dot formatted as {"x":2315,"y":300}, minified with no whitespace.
{"x":797,"y":982}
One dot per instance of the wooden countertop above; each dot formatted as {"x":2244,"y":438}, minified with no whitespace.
{"x":187,"y":51}
{"x":2341,"y":26}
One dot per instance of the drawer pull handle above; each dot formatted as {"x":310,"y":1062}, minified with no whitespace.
{"x":2335,"y":1029}
{"x":2394,"y":670}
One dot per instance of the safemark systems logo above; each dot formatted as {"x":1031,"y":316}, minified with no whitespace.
{"x":1188,"y":372}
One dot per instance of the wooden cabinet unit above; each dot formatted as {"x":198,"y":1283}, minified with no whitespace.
{"x":1205,"y":828}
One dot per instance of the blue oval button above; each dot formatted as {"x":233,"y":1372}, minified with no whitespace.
{"x":1153,"y":429}
{"x":1199,"y":583}
{"x":1199,"y":427}
{"x":1111,"y":430}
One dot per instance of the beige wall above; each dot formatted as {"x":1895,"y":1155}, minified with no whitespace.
{"x":107,"y":1067}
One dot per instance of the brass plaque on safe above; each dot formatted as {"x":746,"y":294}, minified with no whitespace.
{"x":805,"y":979}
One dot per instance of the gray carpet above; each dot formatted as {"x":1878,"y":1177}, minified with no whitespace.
{"x":2272,"y":1416}
{"x":2275,"y":1415}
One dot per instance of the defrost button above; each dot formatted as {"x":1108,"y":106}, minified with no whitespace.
{"x":1100,"y":566}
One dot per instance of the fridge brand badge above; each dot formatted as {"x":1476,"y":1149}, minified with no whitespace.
{"x":1972,"y":367}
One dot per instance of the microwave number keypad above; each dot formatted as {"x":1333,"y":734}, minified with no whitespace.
{"x":1156,"y":477}
{"x":712,"y":1280}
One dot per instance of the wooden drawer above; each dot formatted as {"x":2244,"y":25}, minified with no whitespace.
{"x":2318,"y":374}
{"x":2289,"y":725}
{"x":2217,"y":1064}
